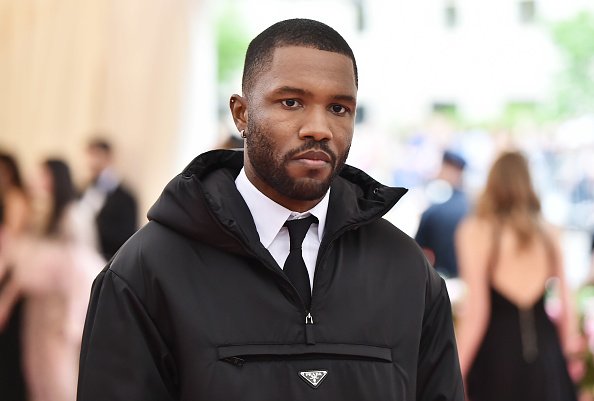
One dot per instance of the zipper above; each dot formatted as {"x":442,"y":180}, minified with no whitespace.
{"x":324,"y":246}
{"x":242,"y":356}
{"x":236,"y":361}
{"x":309,"y":330}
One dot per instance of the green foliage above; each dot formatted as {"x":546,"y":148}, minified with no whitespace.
{"x":518,"y":112}
{"x":575,"y":88}
{"x":232,"y":42}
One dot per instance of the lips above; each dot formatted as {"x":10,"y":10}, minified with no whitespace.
{"x":316,"y":155}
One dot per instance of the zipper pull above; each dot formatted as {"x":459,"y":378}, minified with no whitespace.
{"x":309,"y":330}
{"x":234,"y":360}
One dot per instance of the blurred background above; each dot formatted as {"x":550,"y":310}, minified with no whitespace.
{"x":154,"y":77}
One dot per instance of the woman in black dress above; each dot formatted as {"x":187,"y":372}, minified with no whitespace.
{"x":509,"y":348}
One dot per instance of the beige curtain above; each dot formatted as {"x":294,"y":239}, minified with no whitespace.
{"x":71,"y":68}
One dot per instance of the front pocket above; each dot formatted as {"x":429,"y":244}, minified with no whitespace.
{"x":321,"y":371}
{"x":349,"y":351}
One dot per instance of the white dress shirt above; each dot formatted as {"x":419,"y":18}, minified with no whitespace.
{"x":270,"y":218}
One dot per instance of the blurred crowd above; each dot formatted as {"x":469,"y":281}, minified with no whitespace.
{"x":54,"y":240}
{"x":518,"y":319}
{"x":523,"y":332}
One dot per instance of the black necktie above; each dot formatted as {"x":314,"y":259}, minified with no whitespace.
{"x":295,"y":267}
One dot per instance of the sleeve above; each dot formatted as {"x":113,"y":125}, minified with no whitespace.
{"x":438,"y":371}
{"x":123,"y":356}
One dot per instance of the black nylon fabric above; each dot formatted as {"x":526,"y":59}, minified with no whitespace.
{"x":193,"y":307}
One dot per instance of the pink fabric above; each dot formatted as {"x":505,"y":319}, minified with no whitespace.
{"x":54,"y":275}
{"x":54,"y":317}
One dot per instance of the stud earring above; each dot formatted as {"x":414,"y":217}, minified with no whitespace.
{"x":243,"y":135}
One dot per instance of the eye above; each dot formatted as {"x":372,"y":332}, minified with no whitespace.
{"x":339,"y":109}
{"x":290,"y":103}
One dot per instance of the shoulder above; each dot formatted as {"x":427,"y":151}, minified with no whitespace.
{"x":153,"y":238}
{"x":122,"y":193}
{"x":553,"y":239}
{"x":387,"y":233}
{"x":474,"y":227}
{"x":154,"y":249}
{"x":146,"y":258}
{"x":381,"y":240}
{"x":473,"y":240}
{"x":403,"y":258}
{"x":551,"y":231}
{"x":429,"y":212}
{"x":16,"y":199}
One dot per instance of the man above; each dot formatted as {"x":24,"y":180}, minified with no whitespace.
{"x":439,"y":222}
{"x":112,"y":203}
{"x":206,"y":301}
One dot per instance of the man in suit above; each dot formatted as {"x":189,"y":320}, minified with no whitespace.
{"x":439,"y":222}
{"x":112,"y":203}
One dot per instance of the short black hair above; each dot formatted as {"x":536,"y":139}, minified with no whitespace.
{"x":292,"y":32}
{"x":454,"y":159}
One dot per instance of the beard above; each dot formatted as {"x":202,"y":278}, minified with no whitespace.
{"x":271,"y":167}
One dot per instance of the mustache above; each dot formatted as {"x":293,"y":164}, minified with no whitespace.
{"x":311,"y":144}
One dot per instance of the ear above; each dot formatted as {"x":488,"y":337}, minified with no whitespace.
{"x":238,"y":106}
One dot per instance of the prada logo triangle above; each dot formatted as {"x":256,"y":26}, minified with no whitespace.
{"x":313,"y":377}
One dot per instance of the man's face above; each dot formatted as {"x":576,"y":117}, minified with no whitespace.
{"x":97,"y":160}
{"x":300,"y":117}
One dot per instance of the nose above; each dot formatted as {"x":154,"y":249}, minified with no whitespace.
{"x":316,"y":125}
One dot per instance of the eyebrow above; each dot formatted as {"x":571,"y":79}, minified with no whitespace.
{"x":289,"y":90}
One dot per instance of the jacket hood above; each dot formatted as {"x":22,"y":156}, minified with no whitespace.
{"x":203,"y":202}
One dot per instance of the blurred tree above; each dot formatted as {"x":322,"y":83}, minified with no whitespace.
{"x":575,"y":39}
{"x":232,"y":42}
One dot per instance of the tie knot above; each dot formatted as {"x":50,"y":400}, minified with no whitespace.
{"x":298,"y":228}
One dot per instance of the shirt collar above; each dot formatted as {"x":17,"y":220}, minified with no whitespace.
{"x":108,"y":180}
{"x":269,"y":216}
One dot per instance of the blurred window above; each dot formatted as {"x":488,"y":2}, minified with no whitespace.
{"x":527,"y":11}
{"x":450,"y":14}
{"x":445,"y":108}
{"x":361,"y":16}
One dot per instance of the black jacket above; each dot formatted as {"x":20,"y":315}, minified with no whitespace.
{"x":193,"y":307}
{"x":116,"y":221}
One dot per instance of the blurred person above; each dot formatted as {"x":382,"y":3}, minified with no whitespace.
{"x":54,"y":266}
{"x":14,"y":213}
{"x":232,"y":141}
{"x":438,"y":223}
{"x":589,"y":279}
{"x":115,"y":207}
{"x":509,"y":347}
{"x":14,"y":204}
{"x":269,"y":273}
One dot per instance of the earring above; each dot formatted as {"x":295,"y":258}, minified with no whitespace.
{"x":243,"y":135}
